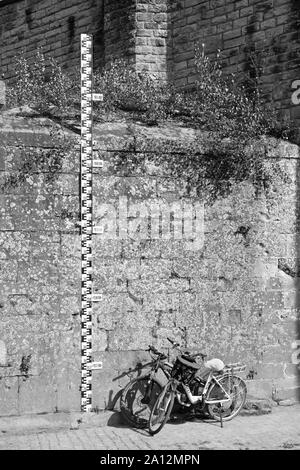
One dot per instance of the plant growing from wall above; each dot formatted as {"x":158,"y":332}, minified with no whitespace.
{"x":25,"y":365}
{"x":211,"y":167}
{"x":37,"y":160}
{"x":217,"y":103}
{"x":41,"y":84}
{"x":235,"y":123}
{"x":139,"y":94}
{"x":234,"y":145}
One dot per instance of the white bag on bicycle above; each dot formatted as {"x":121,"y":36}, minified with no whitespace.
{"x":215,"y":364}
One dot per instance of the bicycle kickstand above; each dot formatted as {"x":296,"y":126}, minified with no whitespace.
{"x":221,"y":418}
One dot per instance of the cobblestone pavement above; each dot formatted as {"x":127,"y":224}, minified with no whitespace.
{"x":278,"y":430}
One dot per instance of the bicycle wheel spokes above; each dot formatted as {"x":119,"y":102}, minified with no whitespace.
{"x":134,"y":410}
{"x":161,"y":410}
{"x":236,"y":389}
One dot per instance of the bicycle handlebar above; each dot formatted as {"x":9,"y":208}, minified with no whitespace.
{"x":192,"y":356}
{"x":176,"y":345}
{"x":155,"y":351}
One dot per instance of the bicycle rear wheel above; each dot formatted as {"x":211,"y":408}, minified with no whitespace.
{"x":236,"y":389}
{"x":161,"y":410}
{"x":137,"y":400}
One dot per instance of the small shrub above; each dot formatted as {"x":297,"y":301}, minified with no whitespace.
{"x":211,"y":167}
{"x":137,"y":93}
{"x":42,"y":85}
{"x":25,"y":365}
{"x":40,"y":160}
{"x":233,"y":117}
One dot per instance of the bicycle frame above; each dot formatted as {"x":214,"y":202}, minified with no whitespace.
{"x":201,"y":398}
{"x":153,"y":367}
{"x":212,"y":378}
{"x":157,"y":364}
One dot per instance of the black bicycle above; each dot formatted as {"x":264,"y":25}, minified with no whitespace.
{"x":140,"y":394}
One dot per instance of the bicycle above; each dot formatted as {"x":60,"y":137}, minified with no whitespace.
{"x":219,"y":392}
{"x":139,"y":395}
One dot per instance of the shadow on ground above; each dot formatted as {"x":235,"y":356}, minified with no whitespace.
{"x":116,"y":420}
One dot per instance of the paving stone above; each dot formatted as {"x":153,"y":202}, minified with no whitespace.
{"x":278,"y":430}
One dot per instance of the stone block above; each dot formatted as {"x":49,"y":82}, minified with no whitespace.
{"x":129,"y":338}
{"x":141,"y":287}
{"x":106,"y":248}
{"x":3,"y":354}
{"x":291,"y":299}
{"x":2,"y":94}
{"x":115,"y":271}
{"x":68,"y":390}
{"x":45,"y":248}
{"x":99,"y":339}
{"x":260,"y":388}
{"x":8,"y":270}
{"x":42,"y":276}
{"x":70,"y":305}
{"x":268,"y":371}
{"x":37,"y":395}
{"x":111,"y":309}
{"x":32,"y":213}
{"x":162,"y":302}
{"x":156,"y":269}
{"x":256,"y":407}
{"x":14,"y":245}
{"x":29,"y":336}
{"x":70,"y":275}
{"x":9,"y":404}
{"x":6,"y":219}
{"x":285,"y":389}
{"x":276,"y":353}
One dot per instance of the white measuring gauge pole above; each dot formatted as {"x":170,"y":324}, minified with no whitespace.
{"x":86,"y":150}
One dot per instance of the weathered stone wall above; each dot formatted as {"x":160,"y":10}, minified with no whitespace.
{"x":38,"y":327}
{"x":235,"y":298}
{"x":238,"y":28}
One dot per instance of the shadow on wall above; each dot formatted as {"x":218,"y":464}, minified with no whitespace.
{"x":131,"y":373}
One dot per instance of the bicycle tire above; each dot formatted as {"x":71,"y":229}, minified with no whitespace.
{"x":134,"y":412}
{"x":165,"y":398}
{"x":237,"y":390}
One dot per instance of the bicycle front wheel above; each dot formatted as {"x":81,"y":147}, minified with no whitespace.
{"x":236,"y":388}
{"x":137,"y":400}
{"x":161,"y":410}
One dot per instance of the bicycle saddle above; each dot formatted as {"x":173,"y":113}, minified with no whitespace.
{"x":214,"y":364}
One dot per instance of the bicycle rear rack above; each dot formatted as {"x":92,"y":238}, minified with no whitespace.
{"x":234,"y":368}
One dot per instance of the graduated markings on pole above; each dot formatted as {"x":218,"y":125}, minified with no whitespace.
{"x":86,"y":165}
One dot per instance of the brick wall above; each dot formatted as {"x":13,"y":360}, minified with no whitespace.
{"x":119,"y":23}
{"x":151,"y":42}
{"x":26,"y":25}
{"x":237,"y":28}
{"x":55,"y":27}
{"x":159,"y":36}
